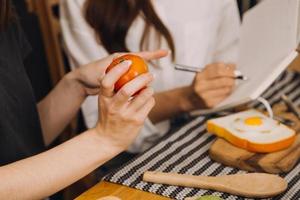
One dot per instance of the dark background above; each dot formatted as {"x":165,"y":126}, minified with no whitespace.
{"x":36,"y":64}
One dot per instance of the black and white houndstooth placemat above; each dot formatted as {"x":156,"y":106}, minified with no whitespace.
{"x":186,"y":152}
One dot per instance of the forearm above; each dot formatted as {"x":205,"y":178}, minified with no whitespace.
{"x":174,"y":102}
{"x":42,"y":175}
{"x":58,"y":108}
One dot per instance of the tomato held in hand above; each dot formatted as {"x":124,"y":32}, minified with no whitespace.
{"x":137,"y":68}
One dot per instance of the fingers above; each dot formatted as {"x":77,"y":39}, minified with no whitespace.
{"x":132,"y":87}
{"x":140,"y":100}
{"x":231,"y":66}
{"x":145,"y":110}
{"x":109,"y":80}
{"x":214,"y":97}
{"x":214,"y":102}
{"x":215,"y":76}
{"x":217,"y":83}
{"x":218,"y":70}
{"x":223,"y":92}
{"x":147,"y":55}
{"x":102,"y":64}
{"x":153,"y":55}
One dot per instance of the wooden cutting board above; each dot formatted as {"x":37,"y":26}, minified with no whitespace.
{"x":277,"y":162}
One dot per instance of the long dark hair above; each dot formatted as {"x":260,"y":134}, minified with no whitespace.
{"x":111,"y":19}
{"x":6,"y":13}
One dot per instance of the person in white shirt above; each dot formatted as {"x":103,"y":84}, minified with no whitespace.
{"x":202,"y":33}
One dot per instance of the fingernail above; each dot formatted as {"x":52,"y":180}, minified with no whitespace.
{"x":237,"y":73}
{"x":127,"y":63}
{"x":151,"y":91}
{"x":154,"y":76}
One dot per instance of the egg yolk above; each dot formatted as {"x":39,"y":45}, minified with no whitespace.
{"x":253,"y":121}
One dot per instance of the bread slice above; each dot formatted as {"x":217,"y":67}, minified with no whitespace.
{"x":253,"y":131}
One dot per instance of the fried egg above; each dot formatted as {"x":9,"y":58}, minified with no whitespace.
{"x":253,"y":131}
{"x":254,"y":123}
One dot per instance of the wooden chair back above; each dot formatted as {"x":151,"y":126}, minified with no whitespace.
{"x":51,"y":32}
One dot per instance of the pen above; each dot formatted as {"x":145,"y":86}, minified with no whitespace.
{"x":238,"y":74}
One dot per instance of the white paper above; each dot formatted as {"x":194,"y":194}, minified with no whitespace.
{"x":269,"y":37}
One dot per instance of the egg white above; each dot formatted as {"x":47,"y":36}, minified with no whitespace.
{"x":267,"y":125}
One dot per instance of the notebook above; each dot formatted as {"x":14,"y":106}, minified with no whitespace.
{"x":268,"y":43}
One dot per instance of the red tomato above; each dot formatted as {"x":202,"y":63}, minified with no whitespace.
{"x":137,"y":68}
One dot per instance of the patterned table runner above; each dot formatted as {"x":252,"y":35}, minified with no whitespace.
{"x":186,"y":152}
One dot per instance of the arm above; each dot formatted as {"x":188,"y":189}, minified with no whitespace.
{"x":62,"y":104}
{"x":58,"y":108}
{"x":82,"y":46}
{"x":121,"y":119}
{"x":209,"y":88}
{"x":172,"y":103}
{"x":49,"y":172}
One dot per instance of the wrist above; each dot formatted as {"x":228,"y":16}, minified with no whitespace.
{"x":108,"y":143}
{"x":190,"y":100}
{"x":187,"y":99}
{"x":94,"y":148}
{"x":74,"y":84}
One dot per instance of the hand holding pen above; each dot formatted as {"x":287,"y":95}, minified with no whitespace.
{"x":237,"y":73}
{"x":212,"y":84}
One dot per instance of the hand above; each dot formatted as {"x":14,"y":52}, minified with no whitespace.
{"x":214,"y":83}
{"x":122,"y":115}
{"x":90,"y":75}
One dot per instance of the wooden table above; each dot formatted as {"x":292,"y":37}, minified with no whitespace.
{"x":125,"y":193}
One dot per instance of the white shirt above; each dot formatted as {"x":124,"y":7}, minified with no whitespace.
{"x":204,"y":31}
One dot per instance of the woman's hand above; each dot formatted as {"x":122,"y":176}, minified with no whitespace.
{"x":90,"y":75}
{"x":121,"y":115}
{"x":214,"y":84}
